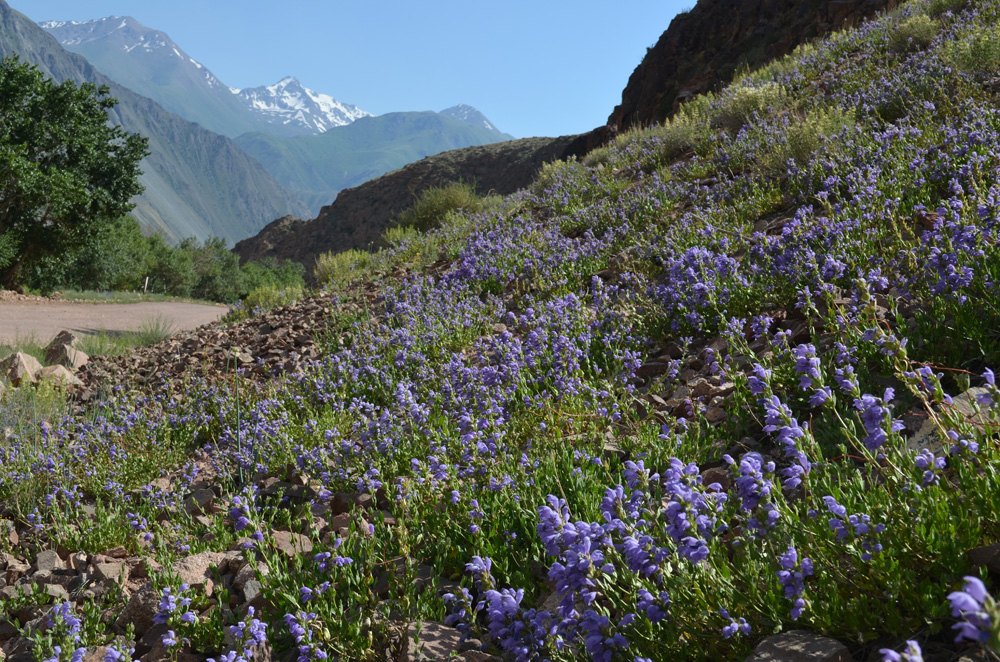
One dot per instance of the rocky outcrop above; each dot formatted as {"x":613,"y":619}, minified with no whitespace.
{"x":359,"y":215}
{"x":704,"y":47}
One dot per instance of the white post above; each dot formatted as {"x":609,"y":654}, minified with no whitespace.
{"x":145,"y":285}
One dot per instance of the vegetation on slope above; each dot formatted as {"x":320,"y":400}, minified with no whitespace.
{"x":521,"y":394}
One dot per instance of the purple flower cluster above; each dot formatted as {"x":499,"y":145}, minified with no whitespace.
{"x":979,"y":611}
{"x":857,"y":526}
{"x":792,"y":579}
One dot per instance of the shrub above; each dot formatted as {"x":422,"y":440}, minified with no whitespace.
{"x":339,"y":267}
{"x":978,"y":53}
{"x":936,"y":8}
{"x":269,"y":272}
{"x":434,"y":204}
{"x":914,"y":33}
{"x":738,"y":104}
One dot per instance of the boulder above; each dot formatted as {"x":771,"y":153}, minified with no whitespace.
{"x":19,"y":367}
{"x":59,"y":374}
{"x":139,"y":610}
{"x":800,"y":646}
{"x":292,"y":544}
{"x":67,"y":356}
{"x":195,"y":570}
{"x":48,"y":561}
{"x":433,"y":641}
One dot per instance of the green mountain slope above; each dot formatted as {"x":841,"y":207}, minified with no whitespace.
{"x":317,"y":167}
{"x":198,"y":183}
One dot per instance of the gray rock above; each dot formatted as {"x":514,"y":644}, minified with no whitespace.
{"x":963,"y":405}
{"x":48,"y":560}
{"x":113,"y":573}
{"x":196,"y":570}
{"x":201,"y":501}
{"x":800,"y":646}
{"x":432,"y":641}
{"x":251,"y":590}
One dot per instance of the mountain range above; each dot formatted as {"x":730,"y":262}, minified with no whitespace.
{"x":149,"y":62}
{"x":199,"y":181}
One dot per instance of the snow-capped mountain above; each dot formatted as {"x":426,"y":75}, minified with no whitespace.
{"x":151,"y":63}
{"x":466,"y":113}
{"x":289,"y":104}
{"x":125,"y":34}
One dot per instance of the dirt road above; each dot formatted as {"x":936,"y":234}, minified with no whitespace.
{"x":42,"y":320}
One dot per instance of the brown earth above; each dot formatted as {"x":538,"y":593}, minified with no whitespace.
{"x":42,"y":319}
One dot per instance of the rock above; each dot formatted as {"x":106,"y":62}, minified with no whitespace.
{"x":247,"y":573}
{"x":201,"y":501}
{"x":139,"y":610}
{"x":987,"y":556}
{"x":60,"y":375}
{"x":78,"y":561}
{"x":345,"y":502}
{"x":7,"y":630}
{"x":432,"y":641}
{"x":479,"y":656}
{"x":927,"y":436}
{"x":251,"y":590}
{"x":95,"y":654}
{"x":117,"y":552}
{"x":716,"y":475}
{"x":292,"y":544}
{"x":715,"y":415}
{"x":48,"y":561}
{"x":64,"y":337}
{"x":111,"y":572}
{"x":58,"y":592}
{"x":20,"y":367}
{"x":800,"y":646}
{"x":196,"y":570}
{"x":66,"y":356}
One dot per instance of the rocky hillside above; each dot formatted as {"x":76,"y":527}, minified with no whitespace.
{"x":704,"y":47}
{"x":359,"y":215}
{"x":198,"y":183}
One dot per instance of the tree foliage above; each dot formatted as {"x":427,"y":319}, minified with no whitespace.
{"x":65,"y":171}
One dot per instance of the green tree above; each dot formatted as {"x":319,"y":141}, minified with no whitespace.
{"x":64,"y":169}
{"x":217,"y":268}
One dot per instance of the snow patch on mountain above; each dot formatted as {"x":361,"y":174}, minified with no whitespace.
{"x":289,"y":102}
{"x":467,"y":113}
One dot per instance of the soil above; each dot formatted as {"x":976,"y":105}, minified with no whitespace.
{"x":42,"y":319}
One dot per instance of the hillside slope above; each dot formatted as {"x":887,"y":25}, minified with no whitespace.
{"x":359,"y":215}
{"x":197,"y":183}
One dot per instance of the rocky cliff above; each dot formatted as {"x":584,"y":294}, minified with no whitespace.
{"x":359,"y":215}
{"x":704,"y":47}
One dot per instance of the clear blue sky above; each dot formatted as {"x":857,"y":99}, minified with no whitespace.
{"x":534,"y":67}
